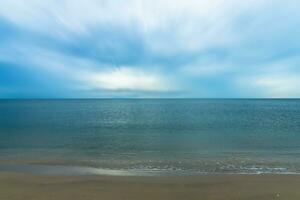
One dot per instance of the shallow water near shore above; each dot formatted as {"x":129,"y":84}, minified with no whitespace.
{"x":170,"y":136}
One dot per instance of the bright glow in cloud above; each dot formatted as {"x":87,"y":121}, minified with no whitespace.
{"x":127,"y":79}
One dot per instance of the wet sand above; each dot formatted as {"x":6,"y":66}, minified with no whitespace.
{"x":16,"y":186}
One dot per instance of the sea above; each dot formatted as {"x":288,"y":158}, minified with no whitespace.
{"x":150,"y":136}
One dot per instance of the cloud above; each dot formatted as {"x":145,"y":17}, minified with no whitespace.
{"x":167,"y":26}
{"x":127,"y":79}
{"x":276,"y":85}
{"x":280,"y":78}
{"x":206,"y":47}
{"x":208,"y":66}
{"x":88,"y":75}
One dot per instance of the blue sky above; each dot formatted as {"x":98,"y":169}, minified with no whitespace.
{"x":149,"y":48}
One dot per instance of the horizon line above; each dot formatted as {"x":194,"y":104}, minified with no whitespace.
{"x":158,"y":98}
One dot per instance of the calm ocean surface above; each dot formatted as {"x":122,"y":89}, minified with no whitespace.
{"x":169,"y":135}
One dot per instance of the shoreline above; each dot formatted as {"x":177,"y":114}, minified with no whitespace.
{"x":56,"y":169}
{"x":15,"y":186}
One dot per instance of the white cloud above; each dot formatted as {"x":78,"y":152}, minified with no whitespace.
{"x":276,"y":85}
{"x":275,"y":79}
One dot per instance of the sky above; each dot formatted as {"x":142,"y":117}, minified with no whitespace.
{"x":149,"y":49}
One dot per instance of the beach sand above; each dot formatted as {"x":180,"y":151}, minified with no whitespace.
{"x":14,"y":186}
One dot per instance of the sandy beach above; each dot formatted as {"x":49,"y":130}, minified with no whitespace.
{"x":15,"y":186}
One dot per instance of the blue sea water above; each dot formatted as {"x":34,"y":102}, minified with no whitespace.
{"x":161,"y":135}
